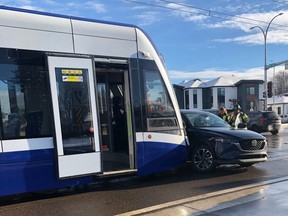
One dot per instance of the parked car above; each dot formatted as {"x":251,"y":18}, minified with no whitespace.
{"x":284,"y":118}
{"x":264,"y":121}
{"x":213,"y":142}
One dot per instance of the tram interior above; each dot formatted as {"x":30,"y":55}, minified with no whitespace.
{"x":113,"y":118}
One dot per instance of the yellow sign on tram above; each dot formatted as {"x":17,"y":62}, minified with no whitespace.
{"x":72,"y":78}
{"x":71,"y":72}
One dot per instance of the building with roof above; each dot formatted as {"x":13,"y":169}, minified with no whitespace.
{"x":222,"y":91}
{"x":278,"y":103}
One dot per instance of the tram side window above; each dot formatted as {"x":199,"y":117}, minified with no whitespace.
{"x":160,"y":111}
{"x":24,"y":95}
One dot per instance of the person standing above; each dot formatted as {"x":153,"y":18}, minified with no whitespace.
{"x":223,"y":114}
{"x":237,"y":116}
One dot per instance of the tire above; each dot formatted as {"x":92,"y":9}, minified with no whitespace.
{"x":274,"y":132}
{"x":203,"y":159}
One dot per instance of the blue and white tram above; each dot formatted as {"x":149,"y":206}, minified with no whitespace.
{"x":81,"y":98}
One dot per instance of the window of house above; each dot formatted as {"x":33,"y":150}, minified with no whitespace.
{"x":187,"y":99}
{"x":278,"y":110}
{"x":251,"y":90}
{"x":221,"y":97}
{"x":211,"y":100}
{"x":24,"y":94}
{"x":195,"y":98}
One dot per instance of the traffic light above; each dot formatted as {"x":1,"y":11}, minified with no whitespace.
{"x":270,"y":89}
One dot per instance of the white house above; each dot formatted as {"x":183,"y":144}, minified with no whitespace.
{"x":222,"y":91}
{"x":279,"y":103}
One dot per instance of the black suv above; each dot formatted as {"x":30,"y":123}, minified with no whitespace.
{"x":213,"y":142}
{"x":264,"y":121}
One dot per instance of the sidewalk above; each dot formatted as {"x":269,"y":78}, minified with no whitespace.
{"x":265,"y":198}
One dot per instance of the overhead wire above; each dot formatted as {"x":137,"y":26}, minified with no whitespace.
{"x":206,"y":12}
{"x":215,"y":12}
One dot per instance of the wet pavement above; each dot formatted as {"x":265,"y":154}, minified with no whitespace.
{"x":265,"y":198}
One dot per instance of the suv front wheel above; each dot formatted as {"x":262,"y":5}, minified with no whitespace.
{"x":203,"y":159}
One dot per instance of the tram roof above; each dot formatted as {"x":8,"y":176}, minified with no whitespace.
{"x":3,"y":7}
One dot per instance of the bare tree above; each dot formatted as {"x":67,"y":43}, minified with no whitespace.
{"x":281,"y":82}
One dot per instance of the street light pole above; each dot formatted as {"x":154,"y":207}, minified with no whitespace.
{"x":273,"y":88}
{"x":265,"y":56}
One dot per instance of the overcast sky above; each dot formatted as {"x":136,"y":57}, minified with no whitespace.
{"x":198,"y":38}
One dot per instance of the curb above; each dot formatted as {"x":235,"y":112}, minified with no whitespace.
{"x":204,"y":197}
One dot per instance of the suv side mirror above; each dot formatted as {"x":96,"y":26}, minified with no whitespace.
{"x":242,"y":125}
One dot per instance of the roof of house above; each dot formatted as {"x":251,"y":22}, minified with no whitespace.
{"x":229,"y":80}
{"x":249,"y":80}
{"x":192,"y":83}
{"x":222,"y":81}
{"x":278,"y":99}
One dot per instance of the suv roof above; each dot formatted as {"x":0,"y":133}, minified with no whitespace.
{"x":265,"y":113}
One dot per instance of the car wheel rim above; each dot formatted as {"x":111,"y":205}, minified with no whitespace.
{"x":203,"y":159}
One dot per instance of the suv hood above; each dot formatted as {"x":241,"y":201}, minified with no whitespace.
{"x":231,"y":132}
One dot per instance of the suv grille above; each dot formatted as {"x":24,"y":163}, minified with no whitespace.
{"x":252,"y":145}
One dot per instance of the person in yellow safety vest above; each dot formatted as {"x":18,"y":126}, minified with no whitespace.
{"x":223,"y":114}
{"x":237,"y":116}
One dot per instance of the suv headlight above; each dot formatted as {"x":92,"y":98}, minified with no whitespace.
{"x":224,"y":140}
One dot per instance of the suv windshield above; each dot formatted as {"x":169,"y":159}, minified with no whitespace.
{"x":205,"y":120}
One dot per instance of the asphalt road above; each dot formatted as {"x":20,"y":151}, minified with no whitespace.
{"x":125,"y":195}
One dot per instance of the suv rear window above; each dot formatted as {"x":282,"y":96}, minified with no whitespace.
{"x":270,"y":115}
{"x":252,"y":115}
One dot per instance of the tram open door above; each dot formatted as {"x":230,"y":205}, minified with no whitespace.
{"x":75,"y":116}
{"x":118,"y":152}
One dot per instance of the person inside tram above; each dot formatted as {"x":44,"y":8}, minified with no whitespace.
{"x":120,"y":127}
